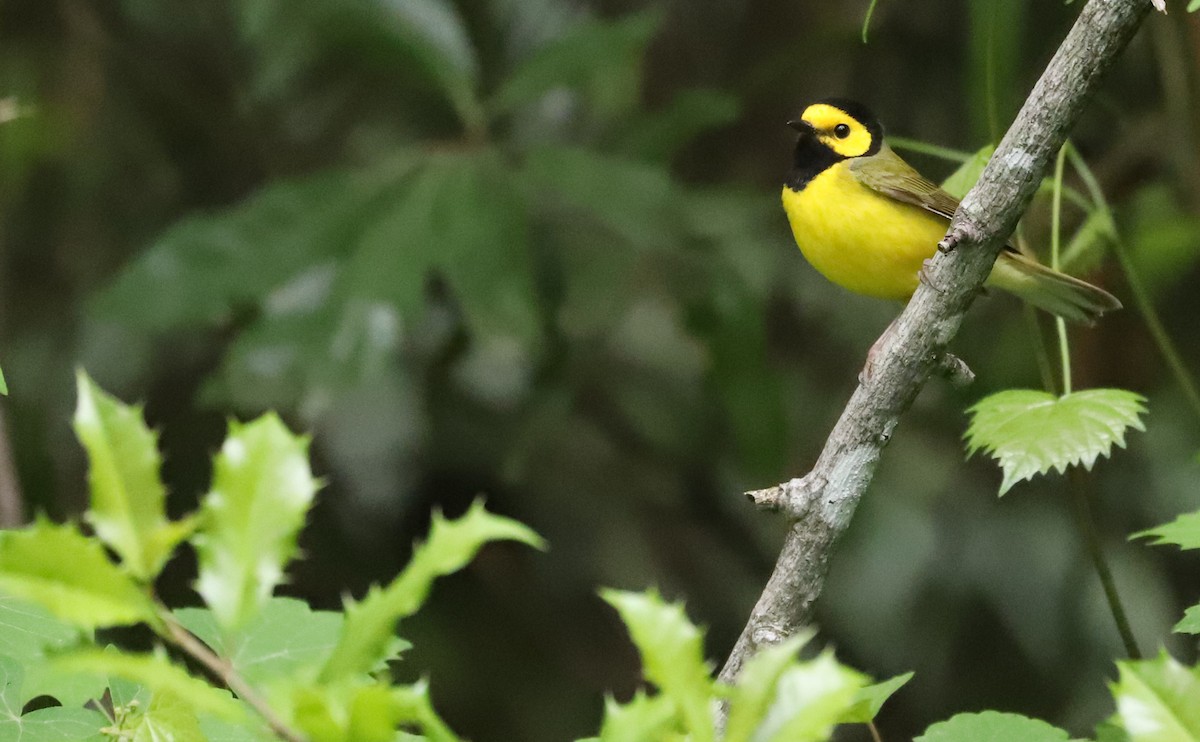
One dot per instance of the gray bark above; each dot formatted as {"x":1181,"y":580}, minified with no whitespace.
{"x":821,"y":503}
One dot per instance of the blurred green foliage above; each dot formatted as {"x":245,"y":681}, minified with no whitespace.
{"x":534,"y":249}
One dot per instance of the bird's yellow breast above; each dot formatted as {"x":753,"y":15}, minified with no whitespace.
{"x":861,"y":239}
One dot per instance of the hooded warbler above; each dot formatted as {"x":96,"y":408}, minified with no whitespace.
{"x":866,"y":220}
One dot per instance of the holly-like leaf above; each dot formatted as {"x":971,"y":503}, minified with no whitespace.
{"x":366,"y":637}
{"x":756,"y":686}
{"x":870,"y":699}
{"x":413,"y":707}
{"x":1032,"y":432}
{"x":672,"y":650}
{"x":262,"y":489}
{"x":70,"y":576}
{"x":642,"y":718}
{"x":286,"y":639}
{"x":810,"y":699}
{"x":128,"y":497}
{"x":357,"y":712}
{"x":988,"y":726}
{"x":157,"y":674}
{"x":1190,"y":623}
{"x":1158,"y":700}
{"x":1184,"y":532}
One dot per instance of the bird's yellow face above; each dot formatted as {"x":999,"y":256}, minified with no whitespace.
{"x":838,"y":130}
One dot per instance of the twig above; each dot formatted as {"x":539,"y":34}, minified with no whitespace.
{"x":199,"y":651}
{"x":910,"y":351}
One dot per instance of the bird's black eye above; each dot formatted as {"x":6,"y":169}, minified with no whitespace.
{"x":841,"y":131}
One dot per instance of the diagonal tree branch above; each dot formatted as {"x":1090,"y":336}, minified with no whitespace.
{"x":821,"y":504}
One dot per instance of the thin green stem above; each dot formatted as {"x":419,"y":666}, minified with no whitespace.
{"x":1140,"y":296}
{"x":867,"y":19}
{"x":933,"y":150}
{"x":1079,"y":485}
{"x":1064,"y":349}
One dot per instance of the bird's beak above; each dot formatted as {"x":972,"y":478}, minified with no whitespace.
{"x":801,"y":126}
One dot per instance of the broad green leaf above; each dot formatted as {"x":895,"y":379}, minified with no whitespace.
{"x":643,"y":719}
{"x":28,"y":633}
{"x":262,"y":489}
{"x":287,"y":639}
{"x":69,"y":575}
{"x":1031,"y":432}
{"x":366,"y":637}
{"x":810,"y":699}
{"x":1184,"y":532}
{"x":55,"y":724}
{"x":871,"y":699}
{"x":1158,"y":700}
{"x":992,"y":726}
{"x":961,"y":180}
{"x":167,"y":717}
{"x":575,"y":58}
{"x":12,"y":676}
{"x":657,"y":136}
{"x":756,"y":686}
{"x":672,"y":651}
{"x":205,"y":266}
{"x":157,"y":674}
{"x":128,"y":503}
{"x":219,"y":730}
{"x":1190,"y":623}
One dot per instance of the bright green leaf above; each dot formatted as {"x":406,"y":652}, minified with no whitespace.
{"x":871,"y":699}
{"x":55,"y":724}
{"x":156,"y":673}
{"x":219,"y":730}
{"x":643,"y":719}
{"x":756,"y":686}
{"x":672,"y":650}
{"x":1190,"y":623}
{"x":3,"y":383}
{"x":366,"y":637}
{"x":168,"y":718}
{"x":1158,"y":700}
{"x":262,"y":489}
{"x":286,"y":639}
{"x":810,"y":699}
{"x":576,"y":58}
{"x":27,"y":634}
{"x":128,"y":504}
{"x":1031,"y":432}
{"x":69,"y":575}
{"x":413,"y":707}
{"x":992,"y":726}
{"x":961,"y":180}
{"x":1193,"y":6}
{"x":1184,"y":532}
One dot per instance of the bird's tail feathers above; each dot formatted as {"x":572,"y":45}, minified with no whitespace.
{"x":1047,"y":289}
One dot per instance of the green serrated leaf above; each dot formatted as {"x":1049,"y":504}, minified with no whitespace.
{"x":1032,"y":432}
{"x":757,"y":684}
{"x":28,"y":634}
{"x":961,"y":180}
{"x":810,"y":699}
{"x":1190,"y":623}
{"x":157,"y":674}
{"x":1184,"y":532}
{"x":128,"y":503}
{"x":994,"y":726}
{"x":55,"y":724}
{"x":413,"y":707}
{"x":571,"y":60}
{"x":366,"y":636}
{"x":287,"y":639}
{"x":643,"y":719}
{"x":870,"y":699}
{"x":672,"y":651}
{"x":69,"y":575}
{"x":262,"y":489}
{"x":1158,"y":700}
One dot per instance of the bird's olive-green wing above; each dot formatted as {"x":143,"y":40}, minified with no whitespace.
{"x":887,"y":173}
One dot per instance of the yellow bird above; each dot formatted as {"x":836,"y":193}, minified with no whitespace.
{"x":867,"y":220}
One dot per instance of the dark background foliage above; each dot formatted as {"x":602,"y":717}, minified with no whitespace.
{"x":533,"y":249}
